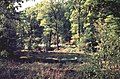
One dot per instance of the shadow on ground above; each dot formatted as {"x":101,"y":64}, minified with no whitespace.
{"x":49,"y":57}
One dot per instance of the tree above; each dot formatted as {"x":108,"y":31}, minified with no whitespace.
{"x":109,"y":32}
{"x":76,"y":17}
{"x":56,"y":13}
{"x":53,"y":20}
{"x":8,"y":17}
{"x":31,"y":31}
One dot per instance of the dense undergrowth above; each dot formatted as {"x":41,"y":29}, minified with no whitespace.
{"x":23,"y":68}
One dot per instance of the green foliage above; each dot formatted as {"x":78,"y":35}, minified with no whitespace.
{"x":8,"y":17}
{"x":90,"y":27}
{"x":30,"y":31}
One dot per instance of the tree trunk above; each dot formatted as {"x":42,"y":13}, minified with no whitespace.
{"x":57,"y":37}
{"x":79,"y":27}
{"x":30,"y":41}
{"x":49,"y":42}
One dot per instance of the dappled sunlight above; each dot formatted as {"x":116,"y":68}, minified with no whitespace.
{"x":59,"y":39}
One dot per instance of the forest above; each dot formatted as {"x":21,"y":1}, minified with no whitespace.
{"x":60,"y":39}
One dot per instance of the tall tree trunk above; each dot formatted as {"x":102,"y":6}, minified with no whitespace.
{"x":79,"y":27}
{"x":30,"y":41}
{"x":49,"y":42}
{"x":57,"y":37}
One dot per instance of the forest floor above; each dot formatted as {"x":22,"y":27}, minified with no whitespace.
{"x":42,"y":65}
{"x":45,"y":65}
